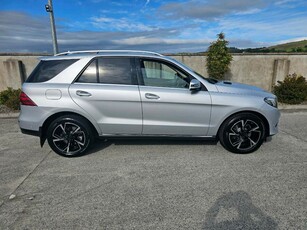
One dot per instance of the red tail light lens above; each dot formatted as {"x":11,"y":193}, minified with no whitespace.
{"x":25,"y":100}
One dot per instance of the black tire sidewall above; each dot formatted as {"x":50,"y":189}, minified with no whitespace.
{"x":223,"y":133}
{"x":78,"y":121}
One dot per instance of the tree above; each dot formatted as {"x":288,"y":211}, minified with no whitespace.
{"x":218,"y":57}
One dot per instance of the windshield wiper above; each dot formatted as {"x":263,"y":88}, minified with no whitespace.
{"x":212,"y":80}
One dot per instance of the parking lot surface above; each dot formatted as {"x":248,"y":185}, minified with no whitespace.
{"x":155,"y":184}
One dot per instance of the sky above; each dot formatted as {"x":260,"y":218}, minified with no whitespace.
{"x":166,"y":26}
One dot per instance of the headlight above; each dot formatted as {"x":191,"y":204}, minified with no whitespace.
{"x":271,"y":101}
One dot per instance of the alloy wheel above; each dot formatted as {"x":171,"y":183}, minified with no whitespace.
{"x":68,"y":138}
{"x":244,"y":134}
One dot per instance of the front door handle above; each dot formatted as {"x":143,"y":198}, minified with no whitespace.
{"x":83,"y":93}
{"x":151,"y":96}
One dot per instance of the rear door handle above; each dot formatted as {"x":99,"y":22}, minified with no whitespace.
{"x":151,"y":96}
{"x":83,"y":93}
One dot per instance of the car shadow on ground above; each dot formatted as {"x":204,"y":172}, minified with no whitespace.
{"x":103,"y":144}
{"x":235,"y":210}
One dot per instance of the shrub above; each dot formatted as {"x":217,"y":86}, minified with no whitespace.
{"x":218,"y":57}
{"x":10,"y":98}
{"x":292,"y":90}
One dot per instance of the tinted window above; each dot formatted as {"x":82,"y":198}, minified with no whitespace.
{"x":109,"y":71}
{"x":46,"y":70}
{"x":90,"y":73}
{"x":162,"y":75}
{"x":115,"y":71}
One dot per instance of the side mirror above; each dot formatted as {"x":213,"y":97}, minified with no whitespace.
{"x":194,"y":84}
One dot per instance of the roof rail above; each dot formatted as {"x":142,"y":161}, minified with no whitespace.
{"x":106,"y":51}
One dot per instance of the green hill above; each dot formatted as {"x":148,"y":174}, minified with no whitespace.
{"x":291,"y":47}
{"x":299,"y":46}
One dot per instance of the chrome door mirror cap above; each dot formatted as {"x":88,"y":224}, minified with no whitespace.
{"x":194,"y":84}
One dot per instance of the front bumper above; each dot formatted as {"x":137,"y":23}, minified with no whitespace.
{"x":272,"y":115}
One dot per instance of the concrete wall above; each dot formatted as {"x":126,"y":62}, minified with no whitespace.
{"x":261,"y":70}
{"x":15,"y":69}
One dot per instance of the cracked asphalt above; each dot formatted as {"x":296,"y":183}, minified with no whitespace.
{"x":155,"y":184}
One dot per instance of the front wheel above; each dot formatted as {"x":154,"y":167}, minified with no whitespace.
{"x":242,"y":133}
{"x":69,"y":136}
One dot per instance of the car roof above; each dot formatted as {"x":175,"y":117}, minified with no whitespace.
{"x":101,"y":53}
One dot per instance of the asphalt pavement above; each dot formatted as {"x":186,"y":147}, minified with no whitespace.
{"x":155,"y":184}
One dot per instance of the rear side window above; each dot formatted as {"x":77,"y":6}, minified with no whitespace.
{"x":115,"y":70}
{"x":46,"y":70}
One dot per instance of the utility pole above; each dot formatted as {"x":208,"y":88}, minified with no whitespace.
{"x":49,"y":9}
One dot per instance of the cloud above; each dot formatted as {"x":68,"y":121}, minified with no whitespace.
{"x":292,"y":40}
{"x":20,"y":32}
{"x":120,"y":24}
{"x":247,"y":12}
{"x":282,"y":2}
{"x":208,"y":10}
{"x":147,"y":2}
{"x":271,"y":29}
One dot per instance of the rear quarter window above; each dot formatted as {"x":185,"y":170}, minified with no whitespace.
{"x":46,"y":70}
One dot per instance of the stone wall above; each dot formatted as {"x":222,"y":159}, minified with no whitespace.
{"x":262,"y":70}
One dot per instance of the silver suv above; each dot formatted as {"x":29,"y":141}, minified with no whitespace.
{"x":74,"y":97}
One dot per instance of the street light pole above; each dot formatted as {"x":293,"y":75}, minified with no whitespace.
{"x":49,"y":8}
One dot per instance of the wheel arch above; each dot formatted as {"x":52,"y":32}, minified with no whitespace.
{"x":261,"y":116}
{"x":47,"y":122}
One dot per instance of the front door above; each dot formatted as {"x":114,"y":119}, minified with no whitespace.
{"x":169,"y":107}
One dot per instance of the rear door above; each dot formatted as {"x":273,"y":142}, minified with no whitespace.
{"x":107,"y":90}
{"x":169,"y":107}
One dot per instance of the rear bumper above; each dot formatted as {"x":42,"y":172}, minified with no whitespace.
{"x":31,"y":119}
{"x":31,"y":132}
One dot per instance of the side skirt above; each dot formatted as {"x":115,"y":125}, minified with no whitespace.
{"x":170,"y":137}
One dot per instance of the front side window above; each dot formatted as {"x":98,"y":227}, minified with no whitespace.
{"x":159,"y":74}
{"x":114,"y":70}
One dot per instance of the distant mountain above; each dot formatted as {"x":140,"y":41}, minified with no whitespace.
{"x":291,"y":47}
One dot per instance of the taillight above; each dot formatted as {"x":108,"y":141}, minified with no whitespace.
{"x":25,"y":100}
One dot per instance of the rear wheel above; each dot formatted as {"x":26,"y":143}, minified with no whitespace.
{"x":69,"y":135}
{"x":242,"y":133}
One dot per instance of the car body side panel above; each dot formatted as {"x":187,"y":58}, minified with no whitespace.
{"x":48,"y":104}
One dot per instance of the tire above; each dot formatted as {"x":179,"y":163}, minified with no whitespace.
{"x":242,"y":133}
{"x":70,"y":135}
